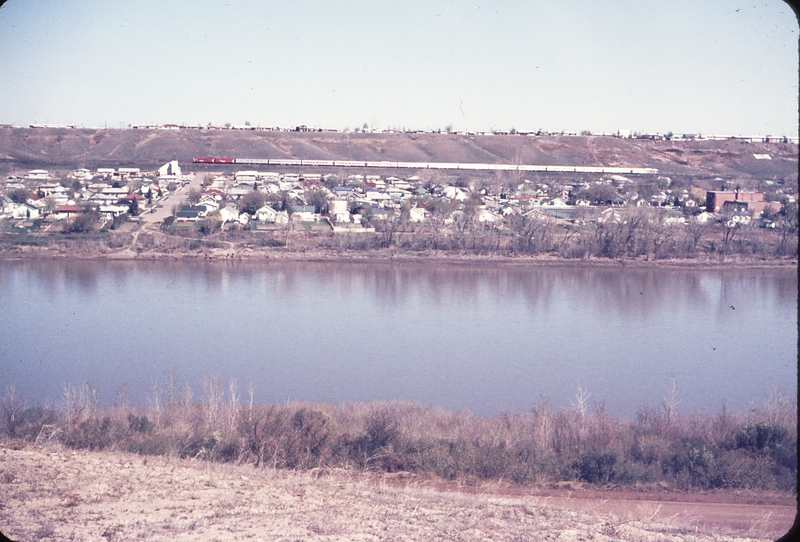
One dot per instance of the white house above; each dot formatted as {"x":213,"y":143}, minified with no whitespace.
{"x":266,"y":214}
{"x":485,"y":216}
{"x":23,"y":210}
{"x":245,"y":176}
{"x":37,"y":175}
{"x":454,"y":193}
{"x":417,"y":214}
{"x":610,"y":216}
{"x":129,"y":172}
{"x":304,"y":216}
{"x":109,"y":212}
{"x":82,"y":173}
{"x":338,"y":210}
{"x":228,"y":214}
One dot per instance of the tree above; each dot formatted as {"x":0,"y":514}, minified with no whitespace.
{"x":19,"y":195}
{"x":133,"y":207}
{"x":696,"y":230}
{"x":319,"y":199}
{"x":11,"y":408}
{"x":787,"y":224}
{"x":84,"y":223}
{"x":193,"y":196}
{"x":251,"y":202}
{"x":211,"y":224}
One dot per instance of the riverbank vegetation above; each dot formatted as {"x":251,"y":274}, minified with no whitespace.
{"x":637,"y":237}
{"x":660,"y":448}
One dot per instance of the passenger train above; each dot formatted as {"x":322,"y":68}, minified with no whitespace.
{"x":422,"y":165}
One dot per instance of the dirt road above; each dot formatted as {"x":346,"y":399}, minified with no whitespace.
{"x":155,"y":219}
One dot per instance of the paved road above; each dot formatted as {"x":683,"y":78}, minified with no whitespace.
{"x":154,"y":220}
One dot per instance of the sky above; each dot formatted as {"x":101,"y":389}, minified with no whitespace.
{"x":708,"y":67}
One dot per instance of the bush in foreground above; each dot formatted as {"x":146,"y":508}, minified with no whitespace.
{"x":757,"y":450}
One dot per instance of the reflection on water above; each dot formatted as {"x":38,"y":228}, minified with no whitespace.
{"x":484,"y":337}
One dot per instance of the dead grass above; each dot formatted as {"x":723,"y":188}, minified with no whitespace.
{"x":52,"y":493}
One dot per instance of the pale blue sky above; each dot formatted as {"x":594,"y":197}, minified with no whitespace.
{"x":711,"y":66}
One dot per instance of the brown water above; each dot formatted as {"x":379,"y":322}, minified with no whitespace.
{"x":487,"y":338}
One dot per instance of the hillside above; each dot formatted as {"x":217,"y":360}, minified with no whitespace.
{"x":53,"y":147}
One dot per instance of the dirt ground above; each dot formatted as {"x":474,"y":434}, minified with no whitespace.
{"x":58,"y":494}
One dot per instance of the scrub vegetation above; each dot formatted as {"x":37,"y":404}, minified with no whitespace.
{"x":661,"y":448}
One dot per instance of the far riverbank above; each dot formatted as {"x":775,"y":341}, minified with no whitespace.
{"x":94,"y":249}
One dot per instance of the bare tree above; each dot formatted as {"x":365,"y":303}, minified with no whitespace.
{"x":78,"y":403}
{"x":581,"y":400}
{"x":696,"y":230}
{"x":233,"y":405}
{"x":193,"y":196}
{"x":11,"y":408}
{"x":213,"y":399}
{"x":670,"y":401}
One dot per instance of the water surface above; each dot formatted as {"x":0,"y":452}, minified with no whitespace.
{"x":487,"y":338}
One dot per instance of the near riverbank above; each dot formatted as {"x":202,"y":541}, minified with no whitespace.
{"x":52,"y":493}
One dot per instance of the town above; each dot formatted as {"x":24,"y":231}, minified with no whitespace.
{"x":517,"y":211}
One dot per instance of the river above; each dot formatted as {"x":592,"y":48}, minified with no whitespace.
{"x":482,"y":337}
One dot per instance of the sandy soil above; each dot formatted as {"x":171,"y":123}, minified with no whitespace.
{"x":59,"y":494}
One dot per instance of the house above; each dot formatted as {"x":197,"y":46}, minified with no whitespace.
{"x":131,"y":198}
{"x":118,"y":192}
{"x":82,"y":173}
{"x":109,"y":212}
{"x":704,"y":217}
{"x":673,"y":218}
{"x":68,"y":211}
{"x":7,"y":205}
{"x":246,"y":176}
{"x":610,"y":216}
{"x":129,"y":172}
{"x":189,"y":213}
{"x":337,"y":209}
{"x":303,"y":216}
{"x":48,"y":189}
{"x":485,"y":216}
{"x":212,"y":193}
{"x":24,"y":210}
{"x":454,"y":193}
{"x":266,"y":214}
{"x":417,"y":215}
{"x":229,"y":213}
{"x":37,"y":175}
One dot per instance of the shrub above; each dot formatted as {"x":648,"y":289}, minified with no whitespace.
{"x":596,"y":468}
{"x":760,"y":436}
{"x":139,"y":424}
{"x":91,"y":434}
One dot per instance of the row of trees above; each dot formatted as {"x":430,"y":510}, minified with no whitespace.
{"x":661,"y":445}
{"x":640,"y":234}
